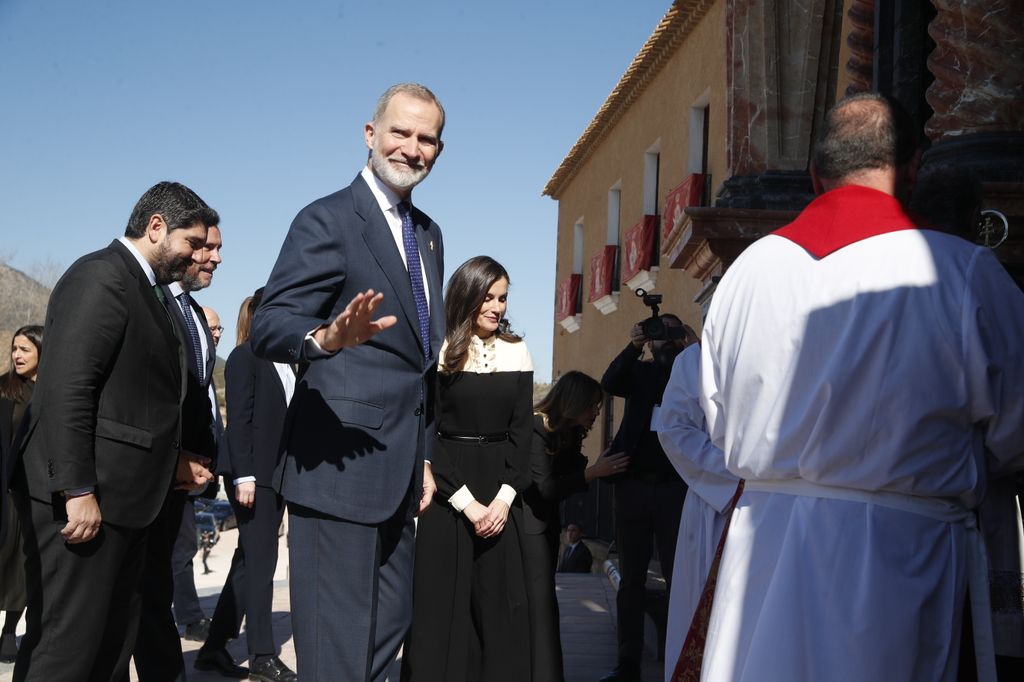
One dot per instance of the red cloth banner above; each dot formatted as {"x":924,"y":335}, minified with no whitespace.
{"x":568,"y":296}
{"x":639,"y":247}
{"x":602,"y":270}
{"x":687,"y":193}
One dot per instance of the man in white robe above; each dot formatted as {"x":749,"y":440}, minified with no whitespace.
{"x":683,"y":435}
{"x":854,"y":371}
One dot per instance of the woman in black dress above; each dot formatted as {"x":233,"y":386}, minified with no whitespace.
{"x":470,"y":617}
{"x":15,"y":394}
{"x":558,"y":469}
{"x":257,"y":393}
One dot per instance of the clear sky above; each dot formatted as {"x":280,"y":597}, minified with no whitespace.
{"x":259,"y":106}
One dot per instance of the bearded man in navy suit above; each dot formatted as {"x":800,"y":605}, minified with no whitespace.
{"x":354,"y":465}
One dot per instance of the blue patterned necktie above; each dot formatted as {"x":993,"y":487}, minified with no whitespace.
{"x":185,"y":301}
{"x":412,"y":261}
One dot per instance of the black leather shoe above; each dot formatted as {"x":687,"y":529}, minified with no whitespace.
{"x":220,"y":661}
{"x":8,"y":647}
{"x":623,"y":673}
{"x":198,"y":631}
{"x":271,"y":669}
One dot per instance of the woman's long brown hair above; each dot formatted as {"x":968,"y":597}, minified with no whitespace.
{"x":572,"y":395}
{"x":12,"y":386}
{"x":463,"y":297}
{"x":243,"y":330}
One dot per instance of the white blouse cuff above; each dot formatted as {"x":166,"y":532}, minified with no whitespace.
{"x":461,"y":499}
{"x":506,"y":494}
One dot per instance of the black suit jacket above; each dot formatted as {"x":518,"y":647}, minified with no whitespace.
{"x":7,"y":448}
{"x":579,"y":561}
{"x":7,"y":445}
{"x":107,"y":405}
{"x":198,"y":430}
{"x":361,"y":420}
{"x":642,"y":384}
{"x":256,"y":411}
{"x":554,"y":478}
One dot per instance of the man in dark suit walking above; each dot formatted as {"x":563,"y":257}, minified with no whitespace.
{"x":158,"y":656}
{"x":103,"y":447}
{"x":360,"y":425}
{"x":576,"y":558}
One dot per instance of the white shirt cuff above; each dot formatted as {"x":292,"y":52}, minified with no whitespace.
{"x":461,"y":499}
{"x":506,"y":494}
{"x":78,"y":492}
{"x":313,"y":349}
{"x":244,"y":479}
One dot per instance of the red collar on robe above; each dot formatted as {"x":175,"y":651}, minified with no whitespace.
{"x":843,"y":216}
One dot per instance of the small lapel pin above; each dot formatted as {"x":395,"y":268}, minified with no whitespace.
{"x":431,"y":244}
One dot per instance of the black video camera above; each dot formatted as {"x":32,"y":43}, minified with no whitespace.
{"x":654,"y":327}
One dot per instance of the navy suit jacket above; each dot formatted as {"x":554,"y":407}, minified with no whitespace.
{"x":198,"y":430}
{"x":361,"y":421}
{"x":256,"y":410}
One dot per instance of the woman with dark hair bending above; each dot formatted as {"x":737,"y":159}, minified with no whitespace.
{"x":558,"y":469}
{"x":470,"y":618}
{"x":15,"y":394}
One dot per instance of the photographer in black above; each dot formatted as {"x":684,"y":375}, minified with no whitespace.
{"x":207,"y":540}
{"x":649,"y":495}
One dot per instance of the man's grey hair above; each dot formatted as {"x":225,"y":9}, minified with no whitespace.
{"x":865,"y":131}
{"x":413,"y":90}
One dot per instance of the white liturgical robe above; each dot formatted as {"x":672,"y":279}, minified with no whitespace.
{"x":684,"y":438}
{"x":865,"y":396}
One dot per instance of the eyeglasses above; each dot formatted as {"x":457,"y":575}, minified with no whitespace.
{"x":217,"y":328}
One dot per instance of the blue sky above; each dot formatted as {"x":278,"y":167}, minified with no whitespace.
{"x":259,"y":107}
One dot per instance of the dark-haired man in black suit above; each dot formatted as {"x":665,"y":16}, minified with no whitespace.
{"x":576,"y":557}
{"x":158,"y":656}
{"x":103,"y":449}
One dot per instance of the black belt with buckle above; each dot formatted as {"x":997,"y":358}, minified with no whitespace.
{"x":494,"y":438}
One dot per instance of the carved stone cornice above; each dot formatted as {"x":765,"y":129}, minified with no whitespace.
{"x":707,"y":240}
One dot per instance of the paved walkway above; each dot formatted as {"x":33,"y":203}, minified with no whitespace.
{"x":587,"y":603}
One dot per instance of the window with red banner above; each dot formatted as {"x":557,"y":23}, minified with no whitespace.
{"x":688,"y":193}
{"x":639,"y":248}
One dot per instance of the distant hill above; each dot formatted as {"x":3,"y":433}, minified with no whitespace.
{"x":22,"y":301}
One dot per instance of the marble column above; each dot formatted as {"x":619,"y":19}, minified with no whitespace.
{"x":978,"y":93}
{"x":978,"y":102}
{"x":782,"y":65}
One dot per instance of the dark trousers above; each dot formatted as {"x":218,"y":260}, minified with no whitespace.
{"x":351,"y":593}
{"x":158,"y":646}
{"x":645,"y":513}
{"x":249,"y":588}
{"x":539,"y":552}
{"x":84,"y":600}
{"x":186,"y":600}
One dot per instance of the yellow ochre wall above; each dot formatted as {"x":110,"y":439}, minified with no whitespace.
{"x":694,"y":73}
